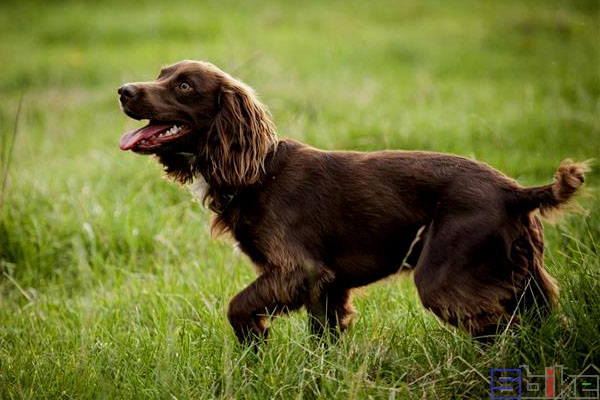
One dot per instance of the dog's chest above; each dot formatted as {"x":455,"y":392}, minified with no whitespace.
{"x":198,"y":188}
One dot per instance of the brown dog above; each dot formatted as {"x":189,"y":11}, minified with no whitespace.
{"x":317,"y":224}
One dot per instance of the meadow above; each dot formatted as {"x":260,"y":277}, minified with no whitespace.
{"x":110,"y":284}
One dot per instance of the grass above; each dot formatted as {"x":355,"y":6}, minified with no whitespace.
{"x":110,"y":286}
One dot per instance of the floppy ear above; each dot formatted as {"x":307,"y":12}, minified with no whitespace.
{"x":239,"y":137}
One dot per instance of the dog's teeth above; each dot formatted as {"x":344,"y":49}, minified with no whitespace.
{"x":172,"y":131}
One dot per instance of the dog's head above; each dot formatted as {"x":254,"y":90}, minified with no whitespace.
{"x":200,"y":119}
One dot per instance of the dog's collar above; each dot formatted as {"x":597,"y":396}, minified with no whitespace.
{"x":218,"y":206}
{"x":199,"y":189}
{"x":219,"y":203}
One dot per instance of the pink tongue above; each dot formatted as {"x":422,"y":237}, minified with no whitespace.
{"x":131,"y":138}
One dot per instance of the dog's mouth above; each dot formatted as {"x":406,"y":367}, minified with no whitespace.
{"x":153,"y":136}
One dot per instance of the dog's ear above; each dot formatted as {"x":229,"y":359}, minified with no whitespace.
{"x":240,"y":136}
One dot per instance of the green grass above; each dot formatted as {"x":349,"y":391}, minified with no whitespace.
{"x":110,"y":286}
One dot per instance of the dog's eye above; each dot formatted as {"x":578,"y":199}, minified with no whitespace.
{"x":185,"y":86}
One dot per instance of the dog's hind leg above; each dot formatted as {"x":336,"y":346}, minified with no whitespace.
{"x":540,"y":291}
{"x":465,"y":274}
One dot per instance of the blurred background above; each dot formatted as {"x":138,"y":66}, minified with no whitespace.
{"x":97,"y":250}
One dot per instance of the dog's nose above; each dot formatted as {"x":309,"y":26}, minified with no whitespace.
{"x":128,"y":90}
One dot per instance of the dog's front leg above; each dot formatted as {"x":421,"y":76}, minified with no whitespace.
{"x":330,"y":310}
{"x":273,"y":293}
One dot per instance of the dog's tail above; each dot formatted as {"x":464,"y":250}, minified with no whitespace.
{"x":548,"y":198}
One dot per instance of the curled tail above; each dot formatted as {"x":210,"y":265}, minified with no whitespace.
{"x":567,"y":180}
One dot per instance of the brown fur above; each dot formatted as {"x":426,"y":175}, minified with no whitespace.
{"x":318,"y":224}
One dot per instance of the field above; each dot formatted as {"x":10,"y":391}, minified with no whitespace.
{"x":110,"y":284}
